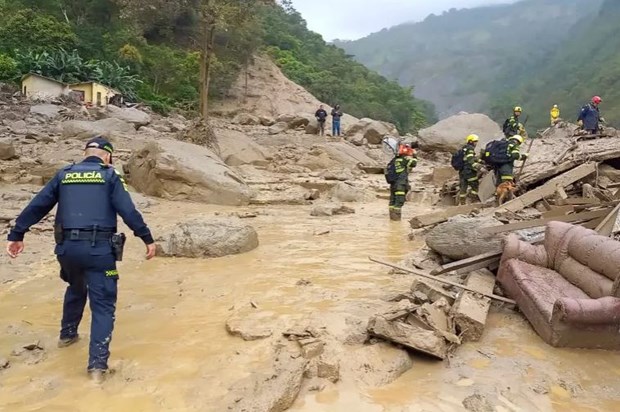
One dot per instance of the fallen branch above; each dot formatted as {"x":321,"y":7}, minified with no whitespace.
{"x":446,"y":281}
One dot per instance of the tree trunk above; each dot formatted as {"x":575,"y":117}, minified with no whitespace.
{"x":206,"y":54}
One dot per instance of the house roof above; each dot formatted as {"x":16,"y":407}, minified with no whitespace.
{"x":43,"y":77}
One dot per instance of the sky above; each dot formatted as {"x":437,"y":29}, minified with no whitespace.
{"x":353,"y":19}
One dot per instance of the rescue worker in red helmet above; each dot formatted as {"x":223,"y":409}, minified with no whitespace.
{"x":397,"y":175}
{"x":590,"y":117}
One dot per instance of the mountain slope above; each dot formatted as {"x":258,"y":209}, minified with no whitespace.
{"x":462,"y":59}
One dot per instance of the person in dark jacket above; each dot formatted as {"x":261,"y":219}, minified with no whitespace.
{"x":513,"y":126}
{"x":505,"y":172}
{"x":336,"y":116}
{"x":321,"y":117}
{"x":590,"y":117}
{"x":403,"y":163}
{"x":89,"y":196}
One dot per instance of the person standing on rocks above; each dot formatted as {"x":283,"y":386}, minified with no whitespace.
{"x":590,"y":117}
{"x":504,"y":172}
{"x":555,"y":115}
{"x":89,"y":196}
{"x":468,"y":174}
{"x":336,"y":116}
{"x":513,"y":126}
{"x":397,"y":175}
{"x":321,"y":117}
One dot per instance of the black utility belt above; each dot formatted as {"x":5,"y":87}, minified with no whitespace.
{"x":77,"y":234}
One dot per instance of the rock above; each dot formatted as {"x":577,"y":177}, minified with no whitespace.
{"x":285,"y":118}
{"x":478,"y":403}
{"x":342,"y":175}
{"x":162,"y":128}
{"x":311,"y":347}
{"x":377,"y":365}
{"x":431,"y":290}
{"x":182,"y":171}
{"x":278,"y":128}
{"x":209,"y":238}
{"x":344,"y":154}
{"x":248,"y":329}
{"x":84,"y":129}
{"x":130,"y":115}
{"x":471,"y":309}
{"x":271,"y":389}
{"x":610,"y":172}
{"x":4,"y":363}
{"x":18,"y":127}
{"x":47,"y":111}
{"x":266,"y":121}
{"x":328,"y":367}
{"x":7,"y":151}
{"x":357,"y":140}
{"x":347,"y":193}
{"x":449,"y":134}
{"x":246,"y":119}
{"x":459,"y":237}
{"x":313,"y":126}
{"x":373,"y":131}
{"x":330,"y":209}
{"x":237,"y":149}
{"x":418,"y":337}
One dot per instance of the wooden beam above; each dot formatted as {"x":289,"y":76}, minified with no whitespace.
{"x":606,"y":227}
{"x":446,"y":281}
{"x":542,"y":222}
{"x":443,"y":215}
{"x":558,"y":211}
{"x":464,"y":263}
{"x":581,"y":201}
{"x":548,"y":189}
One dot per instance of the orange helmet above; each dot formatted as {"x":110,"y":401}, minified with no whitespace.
{"x":405,"y":150}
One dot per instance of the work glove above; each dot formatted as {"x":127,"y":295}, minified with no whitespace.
{"x":580,"y":123}
{"x":524,"y":156}
{"x":602,"y":120}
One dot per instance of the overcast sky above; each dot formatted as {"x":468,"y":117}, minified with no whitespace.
{"x":352,"y":19}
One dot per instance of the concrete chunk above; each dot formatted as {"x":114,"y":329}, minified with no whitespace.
{"x":432,"y":290}
{"x":415,"y":337}
{"x":470,"y":309}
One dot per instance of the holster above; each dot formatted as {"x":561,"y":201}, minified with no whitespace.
{"x":59,"y":236}
{"x":118,"y":245}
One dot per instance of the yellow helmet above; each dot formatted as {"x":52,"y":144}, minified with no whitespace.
{"x":472,"y":138}
{"x":517,"y":109}
{"x":555,"y":106}
{"x":517,"y":138}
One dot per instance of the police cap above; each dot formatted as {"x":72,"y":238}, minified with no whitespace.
{"x":100,"y":143}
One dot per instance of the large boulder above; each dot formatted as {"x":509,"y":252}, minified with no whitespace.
{"x":313,"y":127}
{"x":449,"y":134}
{"x":7,"y":151}
{"x":210,"y":238}
{"x":182,"y":171}
{"x":47,"y":111}
{"x":237,"y":149}
{"x":279,"y":127}
{"x":130,"y":115}
{"x":345,"y":192}
{"x":84,"y":130}
{"x":346,"y":155}
{"x":372,"y":130}
{"x":245,"y":119}
{"x":460,"y":237}
{"x":296,"y":120}
{"x":331,"y":209}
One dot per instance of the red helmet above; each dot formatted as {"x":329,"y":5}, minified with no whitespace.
{"x":405,"y":150}
{"x":596,"y":99}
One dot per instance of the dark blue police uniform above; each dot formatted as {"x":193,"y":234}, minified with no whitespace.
{"x":89,"y":197}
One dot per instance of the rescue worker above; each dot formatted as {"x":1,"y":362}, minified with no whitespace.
{"x":89,"y":195}
{"x":403,"y":163}
{"x":336,"y":116}
{"x":590,"y":117}
{"x":321,"y":117}
{"x":512,"y":126}
{"x":468,"y":176}
{"x":555,"y":115}
{"x":505,"y":171}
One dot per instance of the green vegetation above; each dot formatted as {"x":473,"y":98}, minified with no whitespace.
{"x":153,"y":50}
{"x":534,"y":53}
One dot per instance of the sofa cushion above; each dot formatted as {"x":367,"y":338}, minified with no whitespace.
{"x":593,"y":284}
{"x":599,"y":253}
{"x":542,"y":286}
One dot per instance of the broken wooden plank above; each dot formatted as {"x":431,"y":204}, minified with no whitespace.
{"x":446,"y":281}
{"x":606,"y":227}
{"x":558,"y":211}
{"x":542,"y":222}
{"x":486,"y":259}
{"x":433,"y":291}
{"x":592,"y":224}
{"x":441,"y":216}
{"x":486,"y":189}
{"x":470,"y":309}
{"x":415,"y":337}
{"x":549,"y":188}
{"x":574,"y":201}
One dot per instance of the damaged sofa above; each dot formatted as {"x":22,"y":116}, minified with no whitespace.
{"x":568,"y":287}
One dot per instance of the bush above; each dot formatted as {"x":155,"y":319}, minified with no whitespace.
{"x":27,"y":29}
{"x":8,"y":68}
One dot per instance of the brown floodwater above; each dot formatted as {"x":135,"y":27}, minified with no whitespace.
{"x":172,"y":353}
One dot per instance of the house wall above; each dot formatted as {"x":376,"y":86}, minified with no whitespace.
{"x":34,"y":86}
{"x":90,"y":92}
{"x":87,"y":89}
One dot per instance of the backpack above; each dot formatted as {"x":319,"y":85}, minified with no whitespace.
{"x":458,"y":160}
{"x":496,"y":153}
{"x":390,"y":172}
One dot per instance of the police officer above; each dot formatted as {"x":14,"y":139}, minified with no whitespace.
{"x":89,"y":195}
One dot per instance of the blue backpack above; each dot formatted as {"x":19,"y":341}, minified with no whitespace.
{"x":390,"y":172}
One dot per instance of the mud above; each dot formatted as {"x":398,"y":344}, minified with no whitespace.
{"x":172,"y":351}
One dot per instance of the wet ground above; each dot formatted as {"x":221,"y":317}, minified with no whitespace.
{"x":172,"y":352}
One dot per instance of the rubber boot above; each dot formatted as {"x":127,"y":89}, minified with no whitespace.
{"x":395,"y":215}
{"x":462,"y":200}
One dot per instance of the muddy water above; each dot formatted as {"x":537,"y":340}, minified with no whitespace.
{"x":172,"y":353}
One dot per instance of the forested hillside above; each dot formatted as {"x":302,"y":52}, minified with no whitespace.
{"x":533,"y":53}
{"x":151,"y":50}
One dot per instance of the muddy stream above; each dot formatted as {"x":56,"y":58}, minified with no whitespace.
{"x":172,"y":353}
